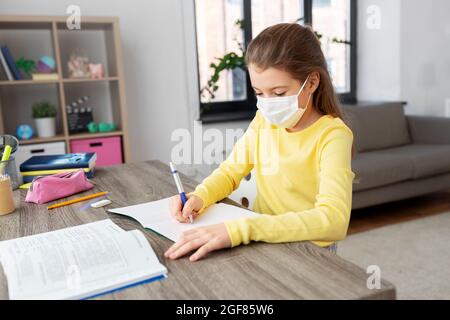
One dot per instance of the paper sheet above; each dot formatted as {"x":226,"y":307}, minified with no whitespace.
{"x":156,"y":216}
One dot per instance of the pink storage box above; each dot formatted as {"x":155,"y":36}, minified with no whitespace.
{"x":108,"y":150}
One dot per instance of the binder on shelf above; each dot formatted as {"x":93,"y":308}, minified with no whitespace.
{"x":11,"y":63}
{"x":8,"y":73}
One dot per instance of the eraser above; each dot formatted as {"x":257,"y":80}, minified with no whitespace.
{"x":101,"y":203}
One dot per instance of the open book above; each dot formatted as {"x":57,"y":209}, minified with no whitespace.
{"x":156,"y":216}
{"x":78,"y":262}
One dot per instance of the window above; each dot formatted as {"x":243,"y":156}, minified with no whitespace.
{"x":269,"y":12}
{"x":333,"y":20}
{"x":223,"y":32}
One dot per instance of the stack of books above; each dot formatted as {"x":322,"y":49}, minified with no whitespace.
{"x":38,"y":166}
{"x":44,"y":76}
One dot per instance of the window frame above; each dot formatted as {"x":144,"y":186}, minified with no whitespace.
{"x":224,"y":111}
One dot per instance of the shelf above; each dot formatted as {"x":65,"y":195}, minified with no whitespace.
{"x":37,"y":36}
{"x":25,"y":82}
{"x":26,"y":19}
{"x":28,"y":82}
{"x":59,"y":137}
{"x":94,"y":135}
{"x":76,"y":80}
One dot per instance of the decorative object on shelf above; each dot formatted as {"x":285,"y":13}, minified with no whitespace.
{"x":78,"y":66}
{"x":24,"y":132}
{"x":44,"y":114}
{"x":79,"y":115}
{"x":45,"y":69}
{"x":102,"y":127}
{"x":92,"y":127}
{"x":46,"y":64}
{"x":106,"y":127}
{"x":96,"y":70}
{"x":26,"y":66}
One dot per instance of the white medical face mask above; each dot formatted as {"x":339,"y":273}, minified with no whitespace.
{"x":283,"y":112}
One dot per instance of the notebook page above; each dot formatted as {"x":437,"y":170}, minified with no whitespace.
{"x":147,"y":267}
{"x":76,"y":262}
{"x":156,"y":216}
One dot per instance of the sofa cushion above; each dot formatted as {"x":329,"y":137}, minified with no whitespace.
{"x":376,"y":169}
{"x":377,"y":126}
{"x":427,"y":160}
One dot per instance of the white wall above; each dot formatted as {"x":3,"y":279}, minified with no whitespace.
{"x":425,"y":59}
{"x":379,"y":50}
{"x":154,"y":63}
{"x":408,"y":57}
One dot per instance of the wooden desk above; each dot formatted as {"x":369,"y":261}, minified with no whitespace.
{"x":257,"y":271}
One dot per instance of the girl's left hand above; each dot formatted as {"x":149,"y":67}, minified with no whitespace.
{"x":205,"y":239}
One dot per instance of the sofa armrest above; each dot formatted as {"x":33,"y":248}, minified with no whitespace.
{"x":429,"y":130}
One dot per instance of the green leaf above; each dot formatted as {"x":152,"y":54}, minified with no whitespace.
{"x":44,"y":109}
{"x":27,"y":66}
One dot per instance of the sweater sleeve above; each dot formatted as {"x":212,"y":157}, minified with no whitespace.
{"x":328,"y":220}
{"x":227,"y":177}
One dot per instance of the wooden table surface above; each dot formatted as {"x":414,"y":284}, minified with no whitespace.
{"x":257,"y":271}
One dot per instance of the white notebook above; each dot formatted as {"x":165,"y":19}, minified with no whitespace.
{"x":156,"y":216}
{"x":78,"y":262}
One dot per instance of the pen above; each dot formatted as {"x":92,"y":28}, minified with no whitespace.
{"x":179,"y":187}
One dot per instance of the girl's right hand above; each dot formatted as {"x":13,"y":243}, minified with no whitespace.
{"x":193,"y":205}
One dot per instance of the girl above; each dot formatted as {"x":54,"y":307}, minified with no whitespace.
{"x":298,"y":146}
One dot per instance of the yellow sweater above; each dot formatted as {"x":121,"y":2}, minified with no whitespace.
{"x":304,"y":182}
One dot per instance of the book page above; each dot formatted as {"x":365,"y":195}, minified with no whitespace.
{"x":76,"y":262}
{"x":156,"y":216}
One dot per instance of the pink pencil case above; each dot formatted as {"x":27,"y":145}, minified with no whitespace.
{"x":57,"y":186}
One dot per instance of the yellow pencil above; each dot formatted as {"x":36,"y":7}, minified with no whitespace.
{"x":66,"y":203}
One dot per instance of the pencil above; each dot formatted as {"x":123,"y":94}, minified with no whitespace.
{"x":66,"y":203}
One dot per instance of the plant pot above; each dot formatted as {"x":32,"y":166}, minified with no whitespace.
{"x":46,"y":127}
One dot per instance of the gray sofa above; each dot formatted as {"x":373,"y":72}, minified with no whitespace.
{"x":398,"y":156}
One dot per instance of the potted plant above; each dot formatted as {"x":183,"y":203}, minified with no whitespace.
{"x":26,"y":66}
{"x":44,"y":114}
